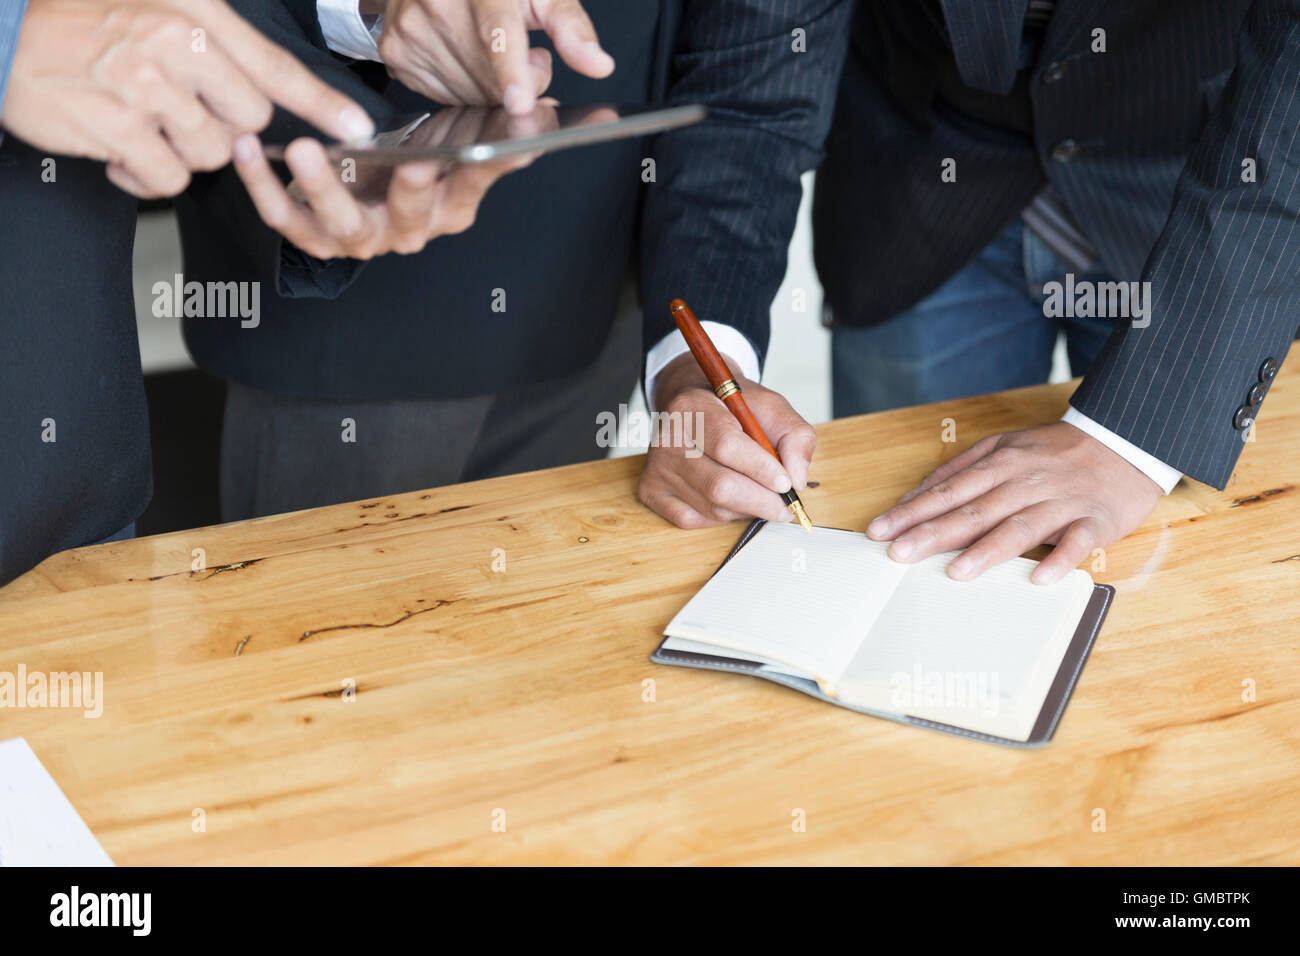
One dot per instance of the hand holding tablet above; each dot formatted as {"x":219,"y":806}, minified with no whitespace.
{"x":487,"y":134}
{"x":422,"y":179}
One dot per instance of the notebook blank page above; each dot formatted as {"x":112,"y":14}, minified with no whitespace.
{"x":805,"y":600}
{"x":1002,"y":631}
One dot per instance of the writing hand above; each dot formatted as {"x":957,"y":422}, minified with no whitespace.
{"x":725,"y":475}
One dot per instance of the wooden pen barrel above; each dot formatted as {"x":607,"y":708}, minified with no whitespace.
{"x":718,"y":374}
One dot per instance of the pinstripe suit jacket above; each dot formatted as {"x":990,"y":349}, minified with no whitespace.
{"x":1145,"y":142}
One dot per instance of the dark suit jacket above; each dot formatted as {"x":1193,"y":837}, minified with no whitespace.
{"x":559,"y":237}
{"x":1144,"y":142}
{"x":70,"y":361}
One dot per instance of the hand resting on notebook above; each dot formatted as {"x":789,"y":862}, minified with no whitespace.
{"x":1009,"y":493}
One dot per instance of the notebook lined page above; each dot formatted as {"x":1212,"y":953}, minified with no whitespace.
{"x":805,"y":600}
{"x":983,"y":650}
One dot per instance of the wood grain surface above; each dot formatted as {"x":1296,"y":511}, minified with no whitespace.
{"x":360,"y":685}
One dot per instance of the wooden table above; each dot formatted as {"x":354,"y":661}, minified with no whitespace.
{"x":358,"y":685}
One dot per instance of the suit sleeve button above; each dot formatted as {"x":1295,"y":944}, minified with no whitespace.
{"x":1268,"y":371}
{"x":1245,"y":415}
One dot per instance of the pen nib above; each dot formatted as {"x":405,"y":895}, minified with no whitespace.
{"x":796,"y":508}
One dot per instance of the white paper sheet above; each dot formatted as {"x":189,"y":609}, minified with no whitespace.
{"x":38,"y":826}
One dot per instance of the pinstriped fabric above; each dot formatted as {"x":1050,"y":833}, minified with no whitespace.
{"x":985,"y":39}
{"x":888,"y":229}
{"x":1142,"y":114}
{"x":717,"y":219}
{"x":1135,"y":111}
{"x":1225,"y":273}
{"x":11,"y":18}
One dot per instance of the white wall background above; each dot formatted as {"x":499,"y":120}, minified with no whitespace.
{"x":799,"y":354}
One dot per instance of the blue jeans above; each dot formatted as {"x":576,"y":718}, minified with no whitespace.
{"x":982,"y":331}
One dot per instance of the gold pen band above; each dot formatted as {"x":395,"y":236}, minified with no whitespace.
{"x":727,"y":389}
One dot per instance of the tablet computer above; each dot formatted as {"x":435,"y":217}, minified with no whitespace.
{"x":476,"y":134}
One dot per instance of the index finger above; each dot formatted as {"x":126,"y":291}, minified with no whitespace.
{"x":953,"y":465}
{"x":273,"y":203}
{"x":796,"y":448}
{"x":574,"y":36}
{"x":940,"y":498}
{"x":283,"y":80}
{"x":505,"y":42}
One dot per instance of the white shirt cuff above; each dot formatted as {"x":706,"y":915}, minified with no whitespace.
{"x":728,"y":341}
{"x":346,"y":32}
{"x":1155,"y":469}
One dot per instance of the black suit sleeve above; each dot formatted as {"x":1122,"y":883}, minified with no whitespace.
{"x":304,"y":14}
{"x":1225,"y":273}
{"x":718,"y":217}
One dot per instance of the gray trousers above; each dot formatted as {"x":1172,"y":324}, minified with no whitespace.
{"x":283,"y":454}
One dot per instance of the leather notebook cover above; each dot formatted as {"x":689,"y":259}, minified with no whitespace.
{"x":1049,"y":717}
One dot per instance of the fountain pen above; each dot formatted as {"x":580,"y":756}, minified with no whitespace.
{"x":715,"y":369}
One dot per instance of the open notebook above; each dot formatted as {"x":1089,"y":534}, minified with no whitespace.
{"x":834,"y":616}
